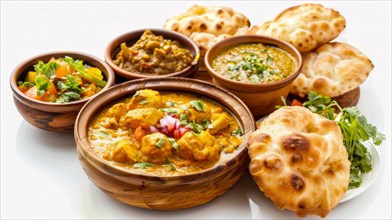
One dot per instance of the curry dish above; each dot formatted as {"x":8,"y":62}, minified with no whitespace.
{"x":164,"y":133}
{"x":254,"y":63}
{"x":154,"y":55}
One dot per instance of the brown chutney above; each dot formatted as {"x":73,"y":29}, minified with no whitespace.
{"x":254,"y":63}
{"x":153,"y":55}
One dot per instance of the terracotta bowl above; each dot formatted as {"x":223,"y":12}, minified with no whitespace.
{"x":53,"y":116}
{"x":131,"y":37}
{"x":163,"y":192}
{"x":261,"y":98}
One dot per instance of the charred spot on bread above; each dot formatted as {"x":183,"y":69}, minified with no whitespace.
{"x":297,"y":182}
{"x":295,"y":142}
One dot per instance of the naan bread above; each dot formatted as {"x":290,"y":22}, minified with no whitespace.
{"x":207,"y":25}
{"x":305,"y":26}
{"x":299,"y":161}
{"x":332,"y":70}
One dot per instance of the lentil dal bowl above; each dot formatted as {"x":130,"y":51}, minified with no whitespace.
{"x":249,"y":74}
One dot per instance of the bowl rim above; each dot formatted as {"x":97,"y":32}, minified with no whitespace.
{"x":22,"y":67}
{"x":116,"y":42}
{"x":253,"y":38}
{"x":82,"y":141}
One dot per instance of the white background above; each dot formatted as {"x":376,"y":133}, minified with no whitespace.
{"x":40,"y":174}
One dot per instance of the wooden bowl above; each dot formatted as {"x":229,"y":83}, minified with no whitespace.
{"x":163,"y":192}
{"x":261,"y":98}
{"x":53,"y":116}
{"x":131,"y":37}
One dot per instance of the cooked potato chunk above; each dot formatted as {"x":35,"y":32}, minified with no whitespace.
{"x":156,"y":148}
{"x":219,"y":122}
{"x":200,"y":147}
{"x":109,"y":123}
{"x":145,"y":98}
{"x":140,"y":117}
{"x":124,"y":152}
{"x":117,"y":111}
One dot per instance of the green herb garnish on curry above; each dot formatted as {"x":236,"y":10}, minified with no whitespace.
{"x":254,"y":63}
{"x":62,"y":80}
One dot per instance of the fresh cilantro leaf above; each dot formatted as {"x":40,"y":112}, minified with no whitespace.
{"x":25,"y":84}
{"x":73,"y":84}
{"x":73,"y":95}
{"x":205,"y":123}
{"x":183,"y":119}
{"x":195,"y":127}
{"x":46,"y":69}
{"x":42,"y":84}
{"x":61,"y":86}
{"x":199,"y":105}
{"x":237,"y":132}
{"x":321,"y":104}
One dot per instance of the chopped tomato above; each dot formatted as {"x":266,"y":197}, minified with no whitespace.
{"x":32,"y":93}
{"x":295,"y":102}
{"x":52,"y":89}
{"x":61,"y":71}
{"x":48,"y":96}
{"x":139,"y":133}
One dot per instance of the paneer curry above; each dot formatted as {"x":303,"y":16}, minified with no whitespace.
{"x":164,"y":133}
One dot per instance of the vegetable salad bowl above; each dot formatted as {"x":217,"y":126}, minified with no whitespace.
{"x":53,"y":110}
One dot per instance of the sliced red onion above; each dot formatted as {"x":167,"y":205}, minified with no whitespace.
{"x":165,"y":130}
{"x":153,"y":129}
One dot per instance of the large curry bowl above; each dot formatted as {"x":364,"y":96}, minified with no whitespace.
{"x":164,"y":192}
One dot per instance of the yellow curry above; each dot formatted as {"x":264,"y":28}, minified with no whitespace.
{"x":164,"y":133}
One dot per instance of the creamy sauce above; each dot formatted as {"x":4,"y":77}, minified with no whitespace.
{"x":254,"y":63}
{"x":164,"y":134}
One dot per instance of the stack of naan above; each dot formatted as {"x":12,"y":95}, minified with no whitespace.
{"x":297,"y":157}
